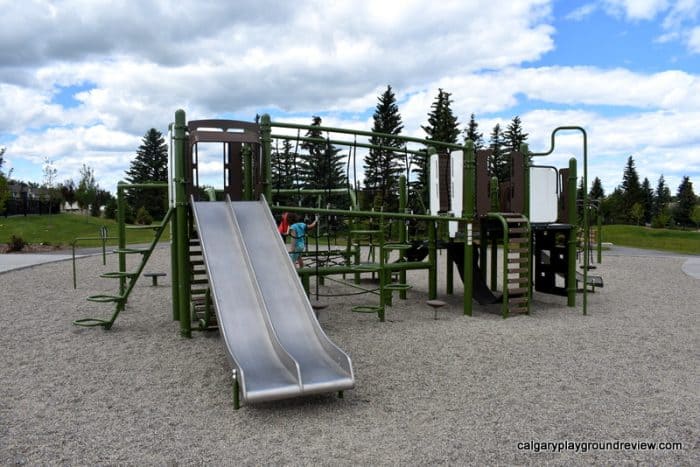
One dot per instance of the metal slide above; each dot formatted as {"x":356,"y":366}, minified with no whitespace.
{"x":271,"y":334}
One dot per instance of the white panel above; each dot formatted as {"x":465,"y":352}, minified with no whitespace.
{"x":456,"y":188}
{"x":543,"y":195}
{"x":434,"y":185}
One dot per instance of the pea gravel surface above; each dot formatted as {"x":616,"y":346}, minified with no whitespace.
{"x":458,"y":390}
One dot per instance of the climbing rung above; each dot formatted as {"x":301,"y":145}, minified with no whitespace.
{"x":105,"y":298}
{"x":518,"y":280}
{"x":118,"y":275}
{"x":517,"y":230}
{"x":518,"y":240}
{"x":517,"y":291}
{"x":523,"y":260}
{"x":515,"y":300}
{"x":517,"y":270}
{"x":517,"y":250}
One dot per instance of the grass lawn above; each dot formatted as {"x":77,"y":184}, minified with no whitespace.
{"x":679,"y":241}
{"x":61,"y":229}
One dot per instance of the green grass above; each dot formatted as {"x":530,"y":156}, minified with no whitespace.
{"x":61,"y":229}
{"x":678,"y":241}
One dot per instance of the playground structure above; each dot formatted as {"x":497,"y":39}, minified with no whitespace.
{"x":230,"y":269}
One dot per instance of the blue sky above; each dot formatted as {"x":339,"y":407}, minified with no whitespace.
{"x":81,"y":82}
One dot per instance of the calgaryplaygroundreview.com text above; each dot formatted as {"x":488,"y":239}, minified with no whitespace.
{"x":586,"y":446}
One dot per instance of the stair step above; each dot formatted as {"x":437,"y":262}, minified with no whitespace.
{"x":199,"y":281}
{"x":518,"y":250}
{"x":518,"y":280}
{"x":517,"y":270}
{"x":106,"y":298}
{"x":198,"y":291}
{"x":516,"y":300}
{"x":517,"y":230}
{"x":118,"y":275}
{"x":518,"y":240}
{"x":517,"y":291}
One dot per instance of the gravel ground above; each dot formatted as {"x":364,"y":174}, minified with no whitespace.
{"x":456,"y":390}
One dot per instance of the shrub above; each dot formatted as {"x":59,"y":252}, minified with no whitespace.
{"x":143,"y":217}
{"x":16,"y":244}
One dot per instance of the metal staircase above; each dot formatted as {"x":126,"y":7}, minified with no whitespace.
{"x":127,"y":279}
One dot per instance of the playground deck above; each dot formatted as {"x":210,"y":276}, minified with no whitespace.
{"x":454,"y":390}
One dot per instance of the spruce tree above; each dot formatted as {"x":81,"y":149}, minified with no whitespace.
{"x":442,"y":126}
{"x":631,"y":188}
{"x":472,"y":132}
{"x":685,"y":203}
{"x":597,"y":191}
{"x":647,"y":200}
{"x":513,"y":136}
{"x":321,"y":167}
{"x":662,"y":198}
{"x":384,"y":165}
{"x":4,"y":190}
{"x":498,"y":164}
{"x":150,"y":165}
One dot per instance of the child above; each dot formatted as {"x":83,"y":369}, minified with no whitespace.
{"x":297,"y":230}
{"x":283,"y":228}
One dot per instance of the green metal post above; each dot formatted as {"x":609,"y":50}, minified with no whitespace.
{"x":181,"y":231}
{"x":248,"y":167}
{"x":599,"y":225}
{"x":432,"y":255}
{"x":121,"y":228}
{"x":495,"y":207}
{"x":382,"y":273}
{"x":266,"y":139}
{"x":403,"y":196}
{"x":468,"y":187}
{"x":449,"y":273}
{"x":571,"y":201}
{"x":174,"y":266}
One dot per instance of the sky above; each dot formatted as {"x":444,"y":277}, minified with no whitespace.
{"x":82,"y":81}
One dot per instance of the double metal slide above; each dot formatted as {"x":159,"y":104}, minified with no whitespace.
{"x":272,"y":337}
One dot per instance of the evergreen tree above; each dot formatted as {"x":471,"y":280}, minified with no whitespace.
{"x":4,"y":190}
{"x":150,"y":165}
{"x":442,"y":123}
{"x":514,"y":136}
{"x":442,"y":126}
{"x":662,"y":197}
{"x":322,"y":166}
{"x":685,"y":203}
{"x":597,"y":191}
{"x":647,"y":200}
{"x":631,"y":189}
{"x":472,"y":132}
{"x":498,"y":164}
{"x":384,"y":165}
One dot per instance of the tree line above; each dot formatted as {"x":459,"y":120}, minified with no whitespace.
{"x":638,"y":203}
{"x":387,"y":160}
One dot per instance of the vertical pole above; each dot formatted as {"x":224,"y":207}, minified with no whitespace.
{"x":266,"y":139}
{"x":526,"y":196}
{"x":181,"y":231}
{"x":449,"y":273}
{"x":599,"y":225}
{"x":402,"y":231}
{"x":174,"y":265}
{"x":495,"y":207}
{"x":382,"y":272}
{"x":571,"y":200}
{"x":432,"y":253}
{"x":468,"y":187}
{"x":121,"y":229}
{"x":586,"y":226}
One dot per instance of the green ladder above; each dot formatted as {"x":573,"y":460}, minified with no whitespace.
{"x":517,"y":259}
{"x":127,"y":279}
